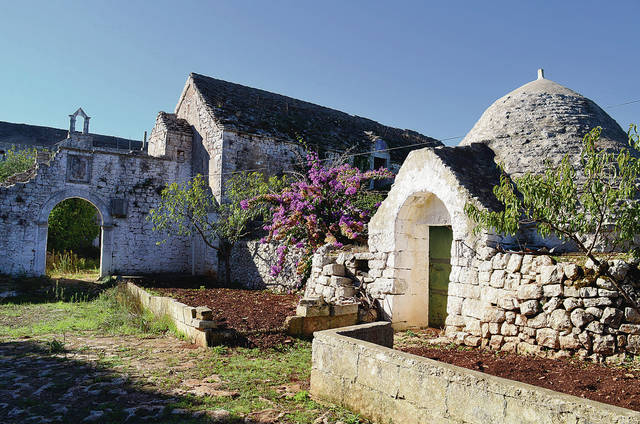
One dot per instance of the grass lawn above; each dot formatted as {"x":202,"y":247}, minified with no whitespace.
{"x":72,"y":354}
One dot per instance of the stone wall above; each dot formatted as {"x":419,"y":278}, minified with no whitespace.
{"x":251,"y":263}
{"x":386,"y":385}
{"x":336,"y":275}
{"x":531,"y":304}
{"x":122,"y":186}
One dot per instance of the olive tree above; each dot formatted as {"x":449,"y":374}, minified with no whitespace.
{"x":190,"y":207}
{"x":590,"y":204}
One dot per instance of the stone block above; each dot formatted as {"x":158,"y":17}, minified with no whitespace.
{"x":588,"y":292}
{"x":333,"y":269}
{"x":345,"y":292}
{"x":455,"y":320}
{"x":553,"y":304}
{"x":491,"y":314}
{"x":510,"y":317}
{"x":596,"y":312}
{"x":204,"y":313}
{"x":202,"y":324}
{"x":526,"y":265}
{"x":571,"y":291}
{"x":514,"y":263}
{"x":312,"y":310}
{"x":608,"y":293}
{"x":579,"y":317}
{"x":633,"y":344}
{"x":611,"y":317}
{"x":570,"y":341}
{"x":543,"y":260}
{"x":529,"y":291}
{"x":552,"y":290}
{"x":320,"y":260}
{"x":559,"y":320}
{"x":539,"y":321}
{"x":604,"y":345}
{"x":497,"y":278}
{"x":597,"y":302}
{"x":496,"y":341}
{"x":473,"y":308}
{"x":454,"y":305}
{"x":631,"y":315}
{"x":529,"y":307}
{"x":350,"y":308}
{"x":595,"y":327}
{"x":508,"y":302}
{"x":548,"y":338}
{"x":550,"y":274}
{"x":499,"y":261}
{"x":484,"y":277}
{"x":508,"y":329}
{"x":337,"y":281}
{"x":571,"y":271}
{"x":494,"y":328}
{"x":485,"y":266}
{"x":378,"y":264}
{"x":604,"y":283}
{"x":572,"y":303}
{"x":630,"y":328}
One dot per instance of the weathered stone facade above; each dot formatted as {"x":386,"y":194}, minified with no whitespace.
{"x":122,"y":185}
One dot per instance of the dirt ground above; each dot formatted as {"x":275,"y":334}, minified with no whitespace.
{"x":257,"y":315}
{"x":618,"y":386}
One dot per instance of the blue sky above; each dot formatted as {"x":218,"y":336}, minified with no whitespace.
{"x":429,"y":66}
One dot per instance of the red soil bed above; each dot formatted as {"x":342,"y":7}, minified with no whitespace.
{"x":257,"y":316}
{"x":616,"y":386}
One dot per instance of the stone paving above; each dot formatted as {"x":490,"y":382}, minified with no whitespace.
{"x":102,"y":379}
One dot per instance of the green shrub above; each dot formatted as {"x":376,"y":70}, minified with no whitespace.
{"x":16,"y":161}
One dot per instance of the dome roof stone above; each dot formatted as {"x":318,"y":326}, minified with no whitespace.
{"x":540,"y":121}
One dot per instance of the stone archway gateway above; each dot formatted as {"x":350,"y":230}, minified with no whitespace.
{"x":106,"y":227}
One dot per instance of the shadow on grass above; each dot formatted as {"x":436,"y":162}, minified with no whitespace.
{"x":46,"y":289}
{"x":39,"y":385}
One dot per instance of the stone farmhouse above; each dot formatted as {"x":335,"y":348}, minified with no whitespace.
{"x":217,"y":128}
{"x":425,"y":266}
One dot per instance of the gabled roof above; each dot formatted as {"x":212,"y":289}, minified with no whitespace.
{"x":475,"y":169}
{"x":37,"y":136}
{"x":251,"y":110}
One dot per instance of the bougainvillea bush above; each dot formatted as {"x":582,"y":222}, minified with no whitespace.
{"x":328,"y":205}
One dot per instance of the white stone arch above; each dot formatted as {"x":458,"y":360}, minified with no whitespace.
{"x":106,"y":227}
{"x":425,"y":193}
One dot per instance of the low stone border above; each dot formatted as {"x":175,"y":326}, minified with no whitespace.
{"x":194,"y":323}
{"x":313,"y":314}
{"x":355,"y":367}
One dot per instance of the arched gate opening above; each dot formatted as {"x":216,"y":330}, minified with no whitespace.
{"x":106,"y":229}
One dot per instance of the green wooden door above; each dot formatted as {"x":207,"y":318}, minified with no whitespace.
{"x":439,"y":270}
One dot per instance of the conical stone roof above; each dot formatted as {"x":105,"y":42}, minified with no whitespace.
{"x":540,"y":121}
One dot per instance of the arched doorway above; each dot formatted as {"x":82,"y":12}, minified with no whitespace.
{"x":73,"y":239}
{"x":106,"y":228}
{"x":423,"y":238}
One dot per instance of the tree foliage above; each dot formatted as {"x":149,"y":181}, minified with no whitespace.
{"x":73,"y":225}
{"x":16,"y":161}
{"x":327,"y":205}
{"x":190,"y":207}
{"x":595,"y":202}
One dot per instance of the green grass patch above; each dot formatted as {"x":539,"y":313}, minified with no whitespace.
{"x":114,"y":311}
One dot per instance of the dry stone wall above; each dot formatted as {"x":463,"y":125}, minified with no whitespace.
{"x":531,"y":304}
{"x":251,"y":263}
